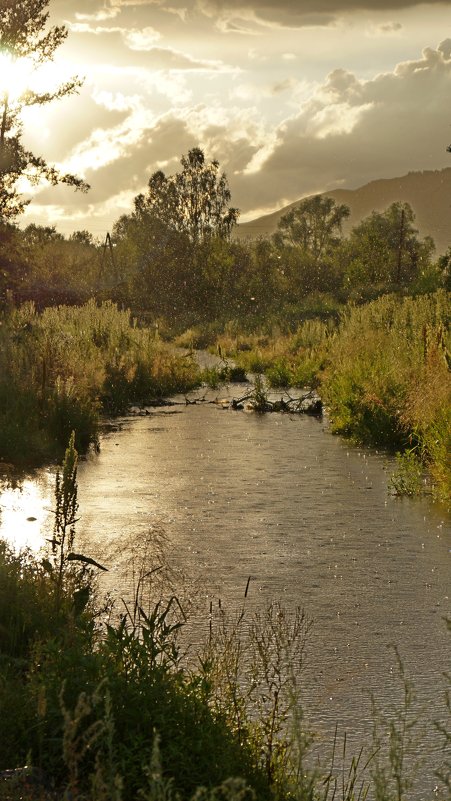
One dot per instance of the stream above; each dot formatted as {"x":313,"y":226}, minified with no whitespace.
{"x":232,"y":494}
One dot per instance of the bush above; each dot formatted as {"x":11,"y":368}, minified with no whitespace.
{"x":59,"y":369}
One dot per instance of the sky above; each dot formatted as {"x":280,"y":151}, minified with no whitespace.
{"x":292,"y":97}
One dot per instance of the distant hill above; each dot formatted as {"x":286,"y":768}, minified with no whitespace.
{"x":428,"y":192}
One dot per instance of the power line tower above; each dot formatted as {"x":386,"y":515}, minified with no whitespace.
{"x":109,"y":274}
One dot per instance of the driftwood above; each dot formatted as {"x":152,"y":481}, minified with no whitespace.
{"x":309,"y":403}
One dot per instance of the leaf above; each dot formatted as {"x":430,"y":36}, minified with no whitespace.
{"x":81,"y":598}
{"x":79,"y":557}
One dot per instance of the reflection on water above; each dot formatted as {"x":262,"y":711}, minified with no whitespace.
{"x":309,"y":518}
{"x":25,"y":512}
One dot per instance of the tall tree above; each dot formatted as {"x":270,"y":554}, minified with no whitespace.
{"x":25,"y":38}
{"x":194,"y":201}
{"x":385,"y":248}
{"x":314,"y":226}
{"x":307,"y":238}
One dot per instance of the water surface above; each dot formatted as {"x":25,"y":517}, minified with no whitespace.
{"x":309,"y":518}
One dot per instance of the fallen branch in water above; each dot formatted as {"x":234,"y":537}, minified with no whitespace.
{"x":309,"y":403}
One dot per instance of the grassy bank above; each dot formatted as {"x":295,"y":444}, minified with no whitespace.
{"x":383,"y":370}
{"x":61,"y":368}
{"x":105,"y":708}
{"x":387,"y":379}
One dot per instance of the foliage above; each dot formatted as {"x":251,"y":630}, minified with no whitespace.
{"x":173,"y":250}
{"x":314,"y":226}
{"x":383,"y":372}
{"x":387,"y":378}
{"x":25,"y":39}
{"x":407,"y":478}
{"x":259,"y":400}
{"x":39,"y":264}
{"x":61,"y":367}
{"x":251,"y":668}
{"x":194,"y":201}
{"x":109,"y":712}
{"x":384,"y":248}
{"x":307,"y":239}
{"x":279,"y":374}
{"x":85,"y":704}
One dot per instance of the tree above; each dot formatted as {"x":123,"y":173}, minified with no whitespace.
{"x":25,"y":40}
{"x":194,"y":201}
{"x":155,"y":263}
{"x":314,"y":226}
{"x":13,"y":267}
{"x":308,"y":237}
{"x":384,"y":248}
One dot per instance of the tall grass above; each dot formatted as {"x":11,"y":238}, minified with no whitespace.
{"x":383,"y":370}
{"x":388,"y":378}
{"x":61,"y":368}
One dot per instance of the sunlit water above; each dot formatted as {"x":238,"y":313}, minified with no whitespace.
{"x":307,"y":516}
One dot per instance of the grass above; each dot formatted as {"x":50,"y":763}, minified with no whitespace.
{"x":60,"y":369}
{"x":107,"y":710}
{"x":387,"y":379}
{"x":383,"y":370}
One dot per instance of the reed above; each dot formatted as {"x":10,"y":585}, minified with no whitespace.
{"x":60,"y":369}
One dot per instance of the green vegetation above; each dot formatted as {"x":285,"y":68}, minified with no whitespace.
{"x":383,"y":371}
{"x":363,"y":318}
{"x":61,"y":368}
{"x":101,"y":705}
{"x":408,"y":476}
{"x":89,"y":704}
{"x":104,"y":707}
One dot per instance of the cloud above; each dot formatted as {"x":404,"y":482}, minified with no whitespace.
{"x":142,"y":39}
{"x":101,"y":15}
{"x":142,"y":42}
{"x":351,"y":131}
{"x":72,"y":126}
{"x":297,"y":13}
{"x":384,"y":29}
{"x":134,"y":38}
{"x":279,"y":130}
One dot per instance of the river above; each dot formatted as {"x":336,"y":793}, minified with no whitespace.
{"x":307,"y":516}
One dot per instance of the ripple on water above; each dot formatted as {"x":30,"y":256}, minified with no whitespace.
{"x":309,"y":518}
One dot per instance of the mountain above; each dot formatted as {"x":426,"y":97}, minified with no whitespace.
{"x":428,"y":192}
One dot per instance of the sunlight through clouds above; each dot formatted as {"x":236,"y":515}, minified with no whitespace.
{"x":287,"y":108}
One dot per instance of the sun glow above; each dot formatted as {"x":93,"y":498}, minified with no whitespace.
{"x":15,"y":75}
{"x":24,"y":514}
{"x":20,"y":75}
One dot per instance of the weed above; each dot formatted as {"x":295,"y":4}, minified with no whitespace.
{"x":393,"y":743}
{"x":408,"y":476}
{"x":279,"y":374}
{"x":259,"y":400}
{"x":61,"y":368}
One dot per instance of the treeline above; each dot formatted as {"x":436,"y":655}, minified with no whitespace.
{"x":174,"y":258}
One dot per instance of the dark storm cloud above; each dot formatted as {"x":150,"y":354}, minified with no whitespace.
{"x":300,"y":13}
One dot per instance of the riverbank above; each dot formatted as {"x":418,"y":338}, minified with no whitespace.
{"x":62,"y":368}
{"x":214,"y":721}
{"x":383,"y":370}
